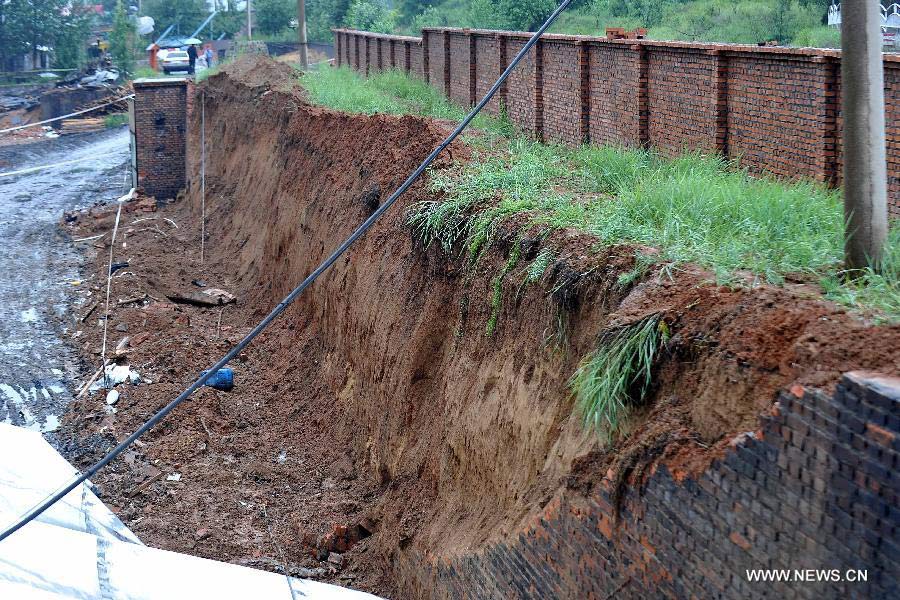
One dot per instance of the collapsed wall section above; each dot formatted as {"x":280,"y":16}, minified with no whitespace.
{"x":774,"y":110}
{"x":814,"y":488}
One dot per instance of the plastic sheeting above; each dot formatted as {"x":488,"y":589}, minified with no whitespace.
{"x":80,"y":549}
{"x":31,"y":470}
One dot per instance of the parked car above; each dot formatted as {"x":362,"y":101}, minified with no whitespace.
{"x":175,"y":60}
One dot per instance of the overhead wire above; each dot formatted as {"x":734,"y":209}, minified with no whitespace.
{"x":289,"y":299}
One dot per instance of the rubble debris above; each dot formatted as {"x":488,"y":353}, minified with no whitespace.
{"x":208,"y":297}
{"x":114,"y":375}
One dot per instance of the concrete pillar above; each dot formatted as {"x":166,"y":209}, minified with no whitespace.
{"x":160,"y":135}
{"x":862,"y":103}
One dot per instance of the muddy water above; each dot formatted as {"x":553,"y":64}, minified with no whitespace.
{"x":39,"y":266}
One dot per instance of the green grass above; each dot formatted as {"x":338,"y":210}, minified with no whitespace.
{"x":389,"y":92}
{"x":618,"y":374}
{"x":693,"y":208}
{"x":115,"y":120}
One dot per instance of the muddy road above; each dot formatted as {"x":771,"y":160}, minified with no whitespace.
{"x":40,"y":267}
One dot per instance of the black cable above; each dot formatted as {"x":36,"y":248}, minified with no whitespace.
{"x":79,"y":479}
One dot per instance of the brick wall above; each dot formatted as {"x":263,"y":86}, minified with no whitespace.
{"x":816,"y":487}
{"x":160,"y":118}
{"x":774,"y":110}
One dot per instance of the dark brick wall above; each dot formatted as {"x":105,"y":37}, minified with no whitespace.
{"x":776,"y":110}
{"x":892,"y":122}
{"x":461,"y":69}
{"x":774,"y":123}
{"x":436,"y":43}
{"x":521,"y":103}
{"x":614,"y":99}
{"x":562,"y":91}
{"x":681,"y":100}
{"x":488,"y":66}
{"x":160,"y":117}
{"x":816,"y":487}
{"x":416,"y":65}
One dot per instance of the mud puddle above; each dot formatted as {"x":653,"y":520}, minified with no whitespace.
{"x":40,"y":270}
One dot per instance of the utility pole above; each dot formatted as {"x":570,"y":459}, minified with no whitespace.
{"x":249,"y":25}
{"x":301,"y":28}
{"x":862,"y":105}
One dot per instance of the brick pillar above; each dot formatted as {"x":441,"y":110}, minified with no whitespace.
{"x":720,"y":106}
{"x":160,"y":130}
{"x":447,"y":74}
{"x":584,"y":77}
{"x":828,"y":119}
{"x":426,"y":42}
{"x":337,"y":47}
{"x":539,"y":90}
{"x":473,"y":57}
{"x":643,"y":100}
{"x":379,"y":54}
{"x":504,"y":62}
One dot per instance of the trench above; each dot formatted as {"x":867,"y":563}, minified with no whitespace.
{"x":376,"y":419}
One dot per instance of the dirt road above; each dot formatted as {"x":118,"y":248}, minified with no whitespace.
{"x":39,"y":266}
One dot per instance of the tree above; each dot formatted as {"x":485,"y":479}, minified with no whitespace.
{"x":39,"y":23}
{"x":229,"y":20}
{"x":273,"y":16}
{"x":526,"y":15}
{"x":186,"y":14}
{"x":371,"y":15}
{"x":12,"y":34}
{"x":121,"y":40}
{"x":69,"y":47}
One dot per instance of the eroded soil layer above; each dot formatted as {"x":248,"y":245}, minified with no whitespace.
{"x":375,"y":419}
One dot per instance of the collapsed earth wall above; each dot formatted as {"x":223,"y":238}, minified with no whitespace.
{"x":489,"y":486}
{"x":775,"y":110}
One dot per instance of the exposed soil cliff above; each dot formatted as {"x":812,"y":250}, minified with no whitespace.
{"x":377,"y":401}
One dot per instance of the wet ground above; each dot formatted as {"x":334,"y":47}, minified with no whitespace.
{"x":40,"y":267}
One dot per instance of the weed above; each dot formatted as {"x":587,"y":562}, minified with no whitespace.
{"x":390,"y":92}
{"x":115,"y":120}
{"x":618,"y":373}
{"x":873,"y":290}
{"x":497,"y":296}
{"x":642,"y":264}
{"x":694,"y":208}
{"x":538,"y":266}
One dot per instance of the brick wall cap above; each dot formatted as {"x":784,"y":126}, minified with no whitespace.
{"x":776,"y":51}
{"x":145,"y":82}
{"x":885,"y":385}
{"x":371,"y":34}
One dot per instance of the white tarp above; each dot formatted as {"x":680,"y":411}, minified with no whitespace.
{"x":80,"y":549}
{"x":31,"y":470}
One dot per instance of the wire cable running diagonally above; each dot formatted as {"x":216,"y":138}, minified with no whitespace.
{"x":79,"y":479}
{"x":74,"y":114}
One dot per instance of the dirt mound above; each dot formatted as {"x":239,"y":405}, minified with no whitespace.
{"x":376,"y":411}
{"x":258,"y":71}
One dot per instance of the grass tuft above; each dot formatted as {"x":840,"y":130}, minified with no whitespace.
{"x":115,"y":120}
{"x":618,"y":373}
{"x":873,"y":290}
{"x":497,"y":296}
{"x":694,"y":208}
{"x":389,"y":92}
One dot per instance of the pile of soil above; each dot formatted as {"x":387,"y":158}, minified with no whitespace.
{"x":375,"y":422}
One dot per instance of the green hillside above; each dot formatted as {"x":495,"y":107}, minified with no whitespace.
{"x":789,"y":22}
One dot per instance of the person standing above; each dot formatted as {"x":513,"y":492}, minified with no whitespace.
{"x":208,"y":55}
{"x":192,"y":58}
